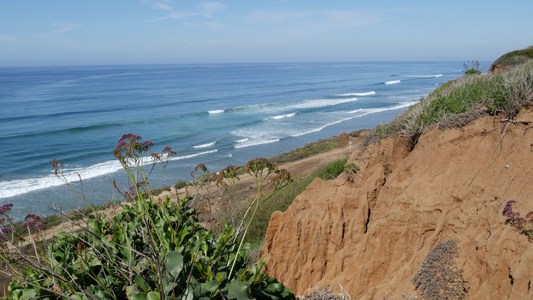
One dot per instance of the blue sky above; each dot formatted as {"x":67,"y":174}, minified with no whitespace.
{"x":100,"y":32}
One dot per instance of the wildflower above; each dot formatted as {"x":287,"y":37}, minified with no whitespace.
{"x":31,"y":220}
{"x":256,"y":166}
{"x":146,"y":146}
{"x":202,"y":167}
{"x":128,"y":195}
{"x":6,"y":230}
{"x":129,"y":137}
{"x":230,"y":172}
{"x":508,"y":209}
{"x":5,"y":209}
{"x":29,"y":223}
{"x":281,"y":178}
{"x":41,"y":225}
{"x":168,"y":151}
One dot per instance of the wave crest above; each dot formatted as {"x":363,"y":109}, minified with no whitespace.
{"x":356,"y":94}
{"x":393,"y":82}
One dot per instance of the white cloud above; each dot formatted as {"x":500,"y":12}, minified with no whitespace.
{"x":348,"y":18}
{"x":207,"y":10}
{"x":174,"y":16}
{"x":64,"y":27}
{"x":210,"y":8}
{"x":163,"y":6}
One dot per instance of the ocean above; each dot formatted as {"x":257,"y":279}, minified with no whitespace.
{"x":216,"y":114}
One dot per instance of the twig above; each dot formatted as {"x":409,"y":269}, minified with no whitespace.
{"x":515,"y":122}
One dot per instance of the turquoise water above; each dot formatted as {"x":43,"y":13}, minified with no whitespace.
{"x":216,"y":114}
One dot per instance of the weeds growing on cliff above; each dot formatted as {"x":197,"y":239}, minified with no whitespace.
{"x":516,"y":57}
{"x":322,"y":293}
{"x":524,"y":225}
{"x":438,"y":277}
{"x":150,"y":250}
{"x":503,"y":93}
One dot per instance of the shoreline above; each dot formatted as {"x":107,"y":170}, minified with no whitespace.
{"x":298,"y":167}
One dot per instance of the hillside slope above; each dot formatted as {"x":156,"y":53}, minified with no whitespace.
{"x":372,"y":235}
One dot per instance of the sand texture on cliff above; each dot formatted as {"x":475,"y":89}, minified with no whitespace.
{"x":371,"y":235}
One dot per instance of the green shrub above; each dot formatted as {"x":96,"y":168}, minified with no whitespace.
{"x":151,"y":250}
{"x":332,"y":170}
{"x":472,"y":71}
{"x":472,"y":67}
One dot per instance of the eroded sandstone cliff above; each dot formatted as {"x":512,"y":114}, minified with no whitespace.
{"x":371,"y":235}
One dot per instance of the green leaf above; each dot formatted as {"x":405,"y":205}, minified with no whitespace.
{"x":174,"y":263}
{"x":134,"y":294}
{"x":153,"y":296}
{"x":140,"y":282}
{"x":206,"y":290}
{"x":211,"y":286}
{"x":182,"y":234}
{"x":238,"y":290}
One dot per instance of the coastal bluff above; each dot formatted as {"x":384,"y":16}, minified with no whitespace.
{"x":371,"y":234}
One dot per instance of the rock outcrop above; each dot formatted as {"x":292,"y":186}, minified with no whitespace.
{"x":497,"y":68}
{"x":371,"y":235}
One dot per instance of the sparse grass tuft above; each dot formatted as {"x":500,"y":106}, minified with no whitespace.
{"x":321,"y":293}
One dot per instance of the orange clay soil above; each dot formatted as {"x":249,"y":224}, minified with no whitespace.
{"x":371,"y":235}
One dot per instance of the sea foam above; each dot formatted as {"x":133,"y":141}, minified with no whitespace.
{"x":17,"y":187}
{"x":251,"y":143}
{"x":283,"y":116}
{"x":425,"y":76}
{"x":22,"y":186}
{"x":356,"y":94}
{"x":321,"y":103}
{"x":217,"y":111}
{"x":393,"y":82}
{"x":366,"y":111}
{"x":205,"y":145}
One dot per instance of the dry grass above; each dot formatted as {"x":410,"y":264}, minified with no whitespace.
{"x":438,"y":277}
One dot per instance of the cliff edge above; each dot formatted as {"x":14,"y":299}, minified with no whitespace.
{"x":372,"y":234}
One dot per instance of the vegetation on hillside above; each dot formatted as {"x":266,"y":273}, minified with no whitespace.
{"x":516,"y":57}
{"x":468,"y":97}
{"x":150,"y":250}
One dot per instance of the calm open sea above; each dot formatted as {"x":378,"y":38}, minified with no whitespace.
{"x":216,"y":114}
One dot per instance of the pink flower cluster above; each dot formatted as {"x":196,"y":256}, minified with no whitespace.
{"x":524,"y":225}
{"x":34,"y":221}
